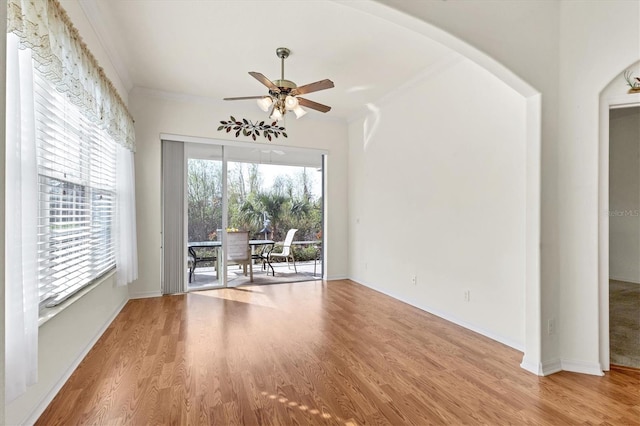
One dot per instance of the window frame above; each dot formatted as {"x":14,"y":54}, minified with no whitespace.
{"x":73,"y":154}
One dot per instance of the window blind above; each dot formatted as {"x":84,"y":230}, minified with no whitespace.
{"x":174,"y":258}
{"x":76,"y":177}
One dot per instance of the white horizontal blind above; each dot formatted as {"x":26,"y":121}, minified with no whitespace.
{"x":76,"y":176}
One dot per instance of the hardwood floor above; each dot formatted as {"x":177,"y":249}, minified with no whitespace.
{"x":318,"y":353}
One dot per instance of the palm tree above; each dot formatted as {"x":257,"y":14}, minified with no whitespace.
{"x":252,"y":211}
{"x":274,"y":204}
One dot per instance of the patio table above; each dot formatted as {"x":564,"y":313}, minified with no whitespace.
{"x":193,"y":246}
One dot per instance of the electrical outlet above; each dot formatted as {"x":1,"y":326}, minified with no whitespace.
{"x":467,"y":295}
{"x":414,"y":279}
{"x":551,"y":326}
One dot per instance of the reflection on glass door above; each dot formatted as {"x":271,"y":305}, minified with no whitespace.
{"x":204,"y":182}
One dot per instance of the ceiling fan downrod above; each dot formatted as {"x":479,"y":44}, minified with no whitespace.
{"x":285,"y":86}
{"x":283,"y":53}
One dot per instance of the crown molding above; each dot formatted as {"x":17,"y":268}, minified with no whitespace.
{"x":101,"y":24}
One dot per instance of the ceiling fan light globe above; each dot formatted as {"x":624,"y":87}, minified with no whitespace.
{"x":276,"y":115}
{"x":290,"y":102}
{"x":299,"y":111}
{"x":265,"y":103}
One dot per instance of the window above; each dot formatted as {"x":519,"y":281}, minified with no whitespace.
{"x":76,"y":178}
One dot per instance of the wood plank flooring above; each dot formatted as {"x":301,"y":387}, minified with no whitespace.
{"x":318,"y":353}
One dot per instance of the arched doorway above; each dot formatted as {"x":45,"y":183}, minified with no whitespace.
{"x":615,"y":97}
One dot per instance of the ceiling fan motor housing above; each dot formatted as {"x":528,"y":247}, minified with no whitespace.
{"x":285,"y":84}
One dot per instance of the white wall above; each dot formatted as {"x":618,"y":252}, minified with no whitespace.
{"x":624,"y":194}
{"x":157,"y":113}
{"x":3,"y":103}
{"x":64,"y":340}
{"x":437,"y":189}
{"x":598,"y":40}
{"x":569,"y":51}
{"x":523,"y":37}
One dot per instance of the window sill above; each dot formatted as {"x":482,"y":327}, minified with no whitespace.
{"x":48,"y":313}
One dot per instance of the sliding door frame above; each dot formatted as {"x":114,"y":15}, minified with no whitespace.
{"x":186,"y":140}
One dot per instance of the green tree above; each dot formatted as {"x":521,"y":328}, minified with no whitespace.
{"x":204,"y":198}
{"x":288,"y":203}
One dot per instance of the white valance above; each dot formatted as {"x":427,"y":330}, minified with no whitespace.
{"x":61,"y":55}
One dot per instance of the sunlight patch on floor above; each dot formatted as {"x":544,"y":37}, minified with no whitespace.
{"x":302,"y":407}
{"x":250,"y":295}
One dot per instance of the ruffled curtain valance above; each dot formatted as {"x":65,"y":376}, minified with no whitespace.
{"x":61,"y":55}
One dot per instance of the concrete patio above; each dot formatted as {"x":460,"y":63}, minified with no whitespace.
{"x":205,"y":277}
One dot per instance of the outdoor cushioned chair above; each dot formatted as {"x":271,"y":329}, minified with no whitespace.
{"x":286,"y":250}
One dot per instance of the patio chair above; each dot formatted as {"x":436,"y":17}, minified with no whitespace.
{"x":263,"y":255}
{"x":191,"y":266}
{"x":318,"y":257}
{"x":286,"y":250}
{"x":239,"y":251}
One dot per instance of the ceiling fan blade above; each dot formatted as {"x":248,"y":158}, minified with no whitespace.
{"x":245,"y":97}
{"x":313,"y":105}
{"x":313,"y":87}
{"x":264,"y":80}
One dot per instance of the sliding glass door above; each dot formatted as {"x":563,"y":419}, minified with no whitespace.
{"x":204,"y":215}
{"x":274,"y":194}
{"x":265,"y":192}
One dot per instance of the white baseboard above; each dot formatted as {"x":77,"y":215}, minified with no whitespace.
{"x":551,"y":367}
{"x":46,"y":400}
{"x":336,"y":277}
{"x":584,"y":367}
{"x":144,"y":294}
{"x":623,"y":279}
{"x":531,"y":366}
{"x":541,"y":368}
{"x":556,"y":365}
{"x":448,"y":317}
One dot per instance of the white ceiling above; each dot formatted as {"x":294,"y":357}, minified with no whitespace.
{"x":206,"y":48}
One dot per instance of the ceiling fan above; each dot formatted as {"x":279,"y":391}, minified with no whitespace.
{"x":284,"y":95}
